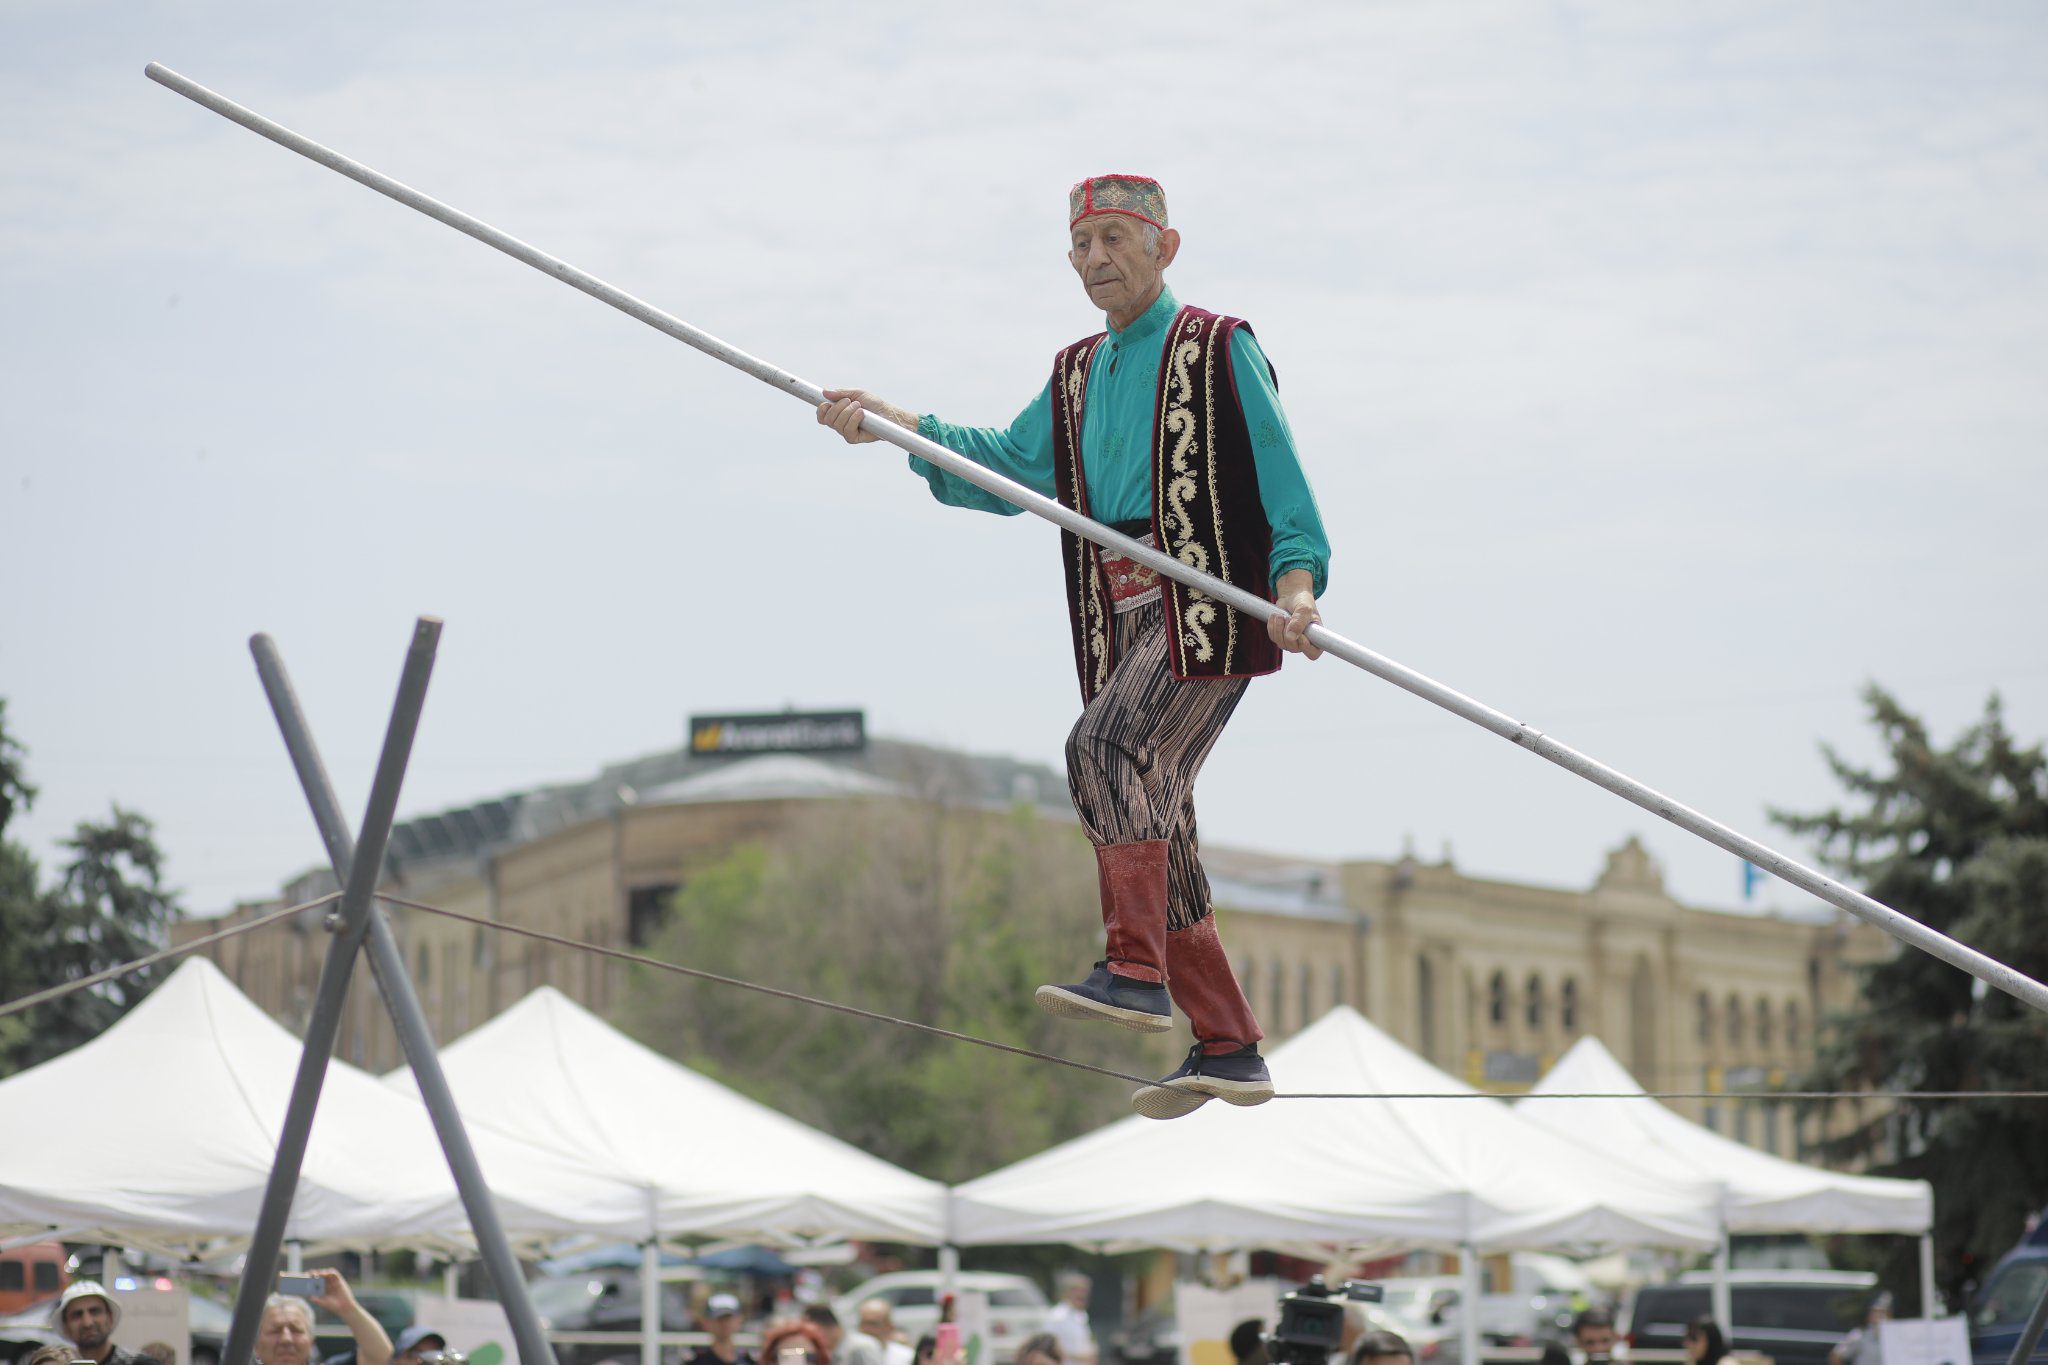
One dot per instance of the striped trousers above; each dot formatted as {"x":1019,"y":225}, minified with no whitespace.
{"x":1133,"y":756}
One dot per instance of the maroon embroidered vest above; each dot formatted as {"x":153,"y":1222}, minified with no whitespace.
{"x":1206,"y":510}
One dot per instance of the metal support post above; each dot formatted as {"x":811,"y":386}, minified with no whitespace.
{"x":1929,"y":1307}
{"x":650,"y":1302}
{"x":1470,"y":1280}
{"x":410,"y":1021}
{"x":1902,"y":927}
{"x":1723,"y":1305}
{"x":359,"y":878}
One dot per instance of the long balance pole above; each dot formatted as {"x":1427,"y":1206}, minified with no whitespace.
{"x":415,"y":1036}
{"x":1987,"y":969}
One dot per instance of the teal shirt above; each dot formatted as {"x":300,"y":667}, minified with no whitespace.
{"x":1116,"y":443}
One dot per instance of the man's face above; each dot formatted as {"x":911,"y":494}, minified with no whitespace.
{"x":282,"y":1338}
{"x":1108,"y":253}
{"x":1596,"y":1339}
{"x":723,"y":1325}
{"x":1077,"y":1293}
{"x":88,"y":1322}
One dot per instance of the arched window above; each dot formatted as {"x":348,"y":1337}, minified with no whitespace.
{"x":1568,"y":1005}
{"x":1706,"y":1018}
{"x":1277,"y":981}
{"x":1792,"y":1038}
{"x":1763,"y":1023}
{"x":1734,"y":1018}
{"x":1497,"y":998}
{"x":1308,"y":1002}
{"x":1532,"y":1001}
{"x":1425,"y":1005}
{"x":1337,"y":996}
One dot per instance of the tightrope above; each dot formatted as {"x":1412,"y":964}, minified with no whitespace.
{"x":874,"y":1016}
{"x":698,"y":973}
{"x":44,"y":997}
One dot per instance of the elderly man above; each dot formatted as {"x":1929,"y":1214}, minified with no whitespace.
{"x":1168,"y":427}
{"x":1067,"y":1320}
{"x":285,"y":1334}
{"x":86,"y":1316}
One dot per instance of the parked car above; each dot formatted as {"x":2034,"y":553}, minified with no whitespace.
{"x":603,"y":1300}
{"x":1016,"y":1306}
{"x":1793,"y":1316}
{"x":1999,"y":1310}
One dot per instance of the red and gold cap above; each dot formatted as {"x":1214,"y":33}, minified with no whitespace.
{"x":1138,"y":196}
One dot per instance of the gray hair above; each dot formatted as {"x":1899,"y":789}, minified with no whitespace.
{"x":294,"y":1303}
{"x":1151,"y":239}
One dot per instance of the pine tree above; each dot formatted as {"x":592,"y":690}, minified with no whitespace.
{"x":1958,"y":839}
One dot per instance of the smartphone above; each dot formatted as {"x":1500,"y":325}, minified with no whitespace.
{"x":301,"y":1286}
{"x":946,"y":1349}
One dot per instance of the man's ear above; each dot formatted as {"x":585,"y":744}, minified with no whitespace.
{"x":1169,"y":247}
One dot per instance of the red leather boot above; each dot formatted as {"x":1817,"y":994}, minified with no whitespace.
{"x":1224,"y":1062}
{"x":1128,"y":986}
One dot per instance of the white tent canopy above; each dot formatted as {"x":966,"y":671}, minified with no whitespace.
{"x":1757,"y":1192}
{"x":708,"y":1162}
{"x":162,"y":1131}
{"x":1360,"y":1173}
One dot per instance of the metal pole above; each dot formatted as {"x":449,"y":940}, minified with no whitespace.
{"x":1723,"y":1299}
{"x":1929,"y":1308}
{"x":1469,"y":1282}
{"x":650,"y":1302}
{"x":410,"y":1021}
{"x":259,"y":1269}
{"x":1908,"y":930}
{"x":2030,"y":1337}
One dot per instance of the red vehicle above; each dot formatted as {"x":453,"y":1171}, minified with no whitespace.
{"x":30,"y":1274}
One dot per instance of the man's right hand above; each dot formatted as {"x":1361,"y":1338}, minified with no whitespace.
{"x":843,"y":409}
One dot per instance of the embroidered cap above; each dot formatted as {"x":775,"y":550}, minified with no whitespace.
{"x":1136,"y":195}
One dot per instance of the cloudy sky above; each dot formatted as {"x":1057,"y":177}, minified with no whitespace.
{"x":1665,"y":372}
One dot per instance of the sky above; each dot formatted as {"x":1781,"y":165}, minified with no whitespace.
{"x":1665,"y":373}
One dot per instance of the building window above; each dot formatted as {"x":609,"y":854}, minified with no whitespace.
{"x":1712,"y":1118}
{"x":1734,"y":1019}
{"x":1568,"y":1005}
{"x":1277,"y":985}
{"x":1425,"y":1005}
{"x":1497,"y":998}
{"x":1533,"y":1002}
{"x":1336,"y":984}
{"x":1308,"y":1004}
{"x":647,"y":909}
{"x":1763,"y":1023}
{"x":1706,"y":1021}
{"x":1771,"y":1129}
{"x":1792,"y":1023}
{"x":1742,"y":1123}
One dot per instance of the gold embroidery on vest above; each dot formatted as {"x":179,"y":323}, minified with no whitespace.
{"x":1094,"y":612}
{"x":1216,"y":488}
{"x":1198,"y":613}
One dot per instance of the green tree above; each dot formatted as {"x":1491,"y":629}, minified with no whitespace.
{"x":20,"y":904}
{"x":109,"y":907}
{"x":1957,"y":838}
{"x":946,"y":917}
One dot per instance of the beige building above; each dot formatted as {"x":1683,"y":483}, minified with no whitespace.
{"x":1491,"y":980}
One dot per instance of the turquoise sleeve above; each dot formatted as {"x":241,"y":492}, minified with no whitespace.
{"x":1298,"y":539}
{"x":1021,"y":451}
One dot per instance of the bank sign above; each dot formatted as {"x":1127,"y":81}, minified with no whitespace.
{"x":780,"y":732}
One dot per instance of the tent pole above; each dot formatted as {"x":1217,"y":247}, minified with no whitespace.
{"x":650,"y":1302}
{"x":451,"y":1280}
{"x":1724,"y":1299}
{"x":295,"y":1257}
{"x":1903,"y":927}
{"x":1930,"y":1306}
{"x":949,"y":1268}
{"x":1468,"y":1304}
{"x":359,"y":878}
{"x":415,"y":1036}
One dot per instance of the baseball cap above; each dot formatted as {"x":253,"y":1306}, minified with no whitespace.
{"x":412,"y":1336}
{"x":719,"y":1305}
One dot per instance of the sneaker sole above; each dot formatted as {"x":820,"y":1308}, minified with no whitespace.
{"x":1167,"y":1101}
{"x":1241,"y":1093}
{"x":1067,"y":1005}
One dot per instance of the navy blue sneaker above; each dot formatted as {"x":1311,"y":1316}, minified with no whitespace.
{"x":1142,"y":1006}
{"x":1238,"y":1077}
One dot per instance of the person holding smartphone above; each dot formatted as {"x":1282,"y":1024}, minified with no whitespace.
{"x":285,"y":1334}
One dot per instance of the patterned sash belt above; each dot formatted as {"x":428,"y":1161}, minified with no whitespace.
{"x":1131,"y":584}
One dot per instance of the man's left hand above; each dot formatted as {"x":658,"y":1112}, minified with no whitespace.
{"x":1295,"y":612}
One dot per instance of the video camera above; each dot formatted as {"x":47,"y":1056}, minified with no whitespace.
{"x":1312,"y":1321}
